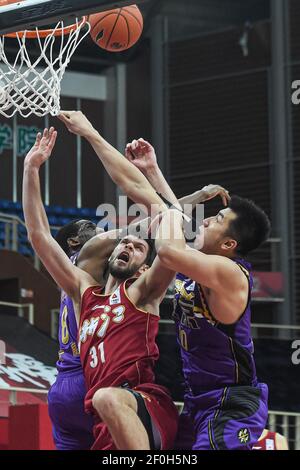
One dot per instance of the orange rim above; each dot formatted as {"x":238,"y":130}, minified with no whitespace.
{"x":43,"y":33}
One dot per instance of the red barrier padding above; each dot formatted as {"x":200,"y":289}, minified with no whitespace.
{"x":3,"y":433}
{"x":30,"y":428}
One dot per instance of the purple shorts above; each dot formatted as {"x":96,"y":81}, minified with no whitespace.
{"x":71,"y":426}
{"x":232,"y":418}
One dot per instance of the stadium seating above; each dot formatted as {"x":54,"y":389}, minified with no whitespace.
{"x":57,"y":216}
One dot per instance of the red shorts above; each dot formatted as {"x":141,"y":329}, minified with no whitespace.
{"x":162,"y":411}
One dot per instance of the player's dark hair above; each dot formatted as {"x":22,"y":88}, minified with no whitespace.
{"x":83,"y":229}
{"x":86,"y":231}
{"x":250,"y":228}
{"x":69,"y":230}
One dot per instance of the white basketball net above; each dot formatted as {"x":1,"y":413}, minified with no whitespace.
{"x":31,"y":85}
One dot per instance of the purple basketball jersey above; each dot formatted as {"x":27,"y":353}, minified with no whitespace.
{"x":69,"y":358}
{"x":214,"y":355}
{"x":225,"y":406}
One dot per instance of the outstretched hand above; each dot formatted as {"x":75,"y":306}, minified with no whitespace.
{"x":76,"y":122}
{"x":42,"y":148}
{"x":212,"y":190}
{"x":141,"y":154}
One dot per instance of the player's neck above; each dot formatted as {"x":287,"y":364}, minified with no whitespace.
{"x":112,"y":284}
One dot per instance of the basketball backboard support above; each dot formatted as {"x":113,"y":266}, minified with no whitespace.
{"x":36,"y":13}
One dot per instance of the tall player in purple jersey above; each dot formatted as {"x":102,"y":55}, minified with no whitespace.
{"x":225,"y":405}
{"x":72,"y":427}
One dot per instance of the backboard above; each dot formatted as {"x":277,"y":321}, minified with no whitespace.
{"x":31,"y":13}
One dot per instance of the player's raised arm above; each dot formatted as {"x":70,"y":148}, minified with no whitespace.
{"x":67,"y":276}
{"x":128,"y":178}
{"x":142,"y":155}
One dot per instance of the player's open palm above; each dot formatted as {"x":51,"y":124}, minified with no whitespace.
{"x":141,"y":154}
{"x":42,"y":148}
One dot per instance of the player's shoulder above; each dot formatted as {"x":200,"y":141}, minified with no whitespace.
{"x":227,"y":273}
{"x":92,"y":292}
{"x":281,"y":442}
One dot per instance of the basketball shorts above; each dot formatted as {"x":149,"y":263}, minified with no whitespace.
{"x":71,"y":426}
{"x":232,"y":418}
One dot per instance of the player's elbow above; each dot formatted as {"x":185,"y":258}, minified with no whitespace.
{"x":166,"y":255}
{"x":33,"y":236}
{"x":36,"y":239}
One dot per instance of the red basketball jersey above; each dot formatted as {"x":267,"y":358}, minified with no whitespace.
{"x":116,"y":340}
{"x":266,"y":443}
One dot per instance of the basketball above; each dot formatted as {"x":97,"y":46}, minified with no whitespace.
{"x":8,"y":2}
{"x":117,"y":30}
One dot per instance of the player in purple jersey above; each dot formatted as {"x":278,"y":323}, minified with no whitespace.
{"x":225,"y":405}
{"x":72,"y":427}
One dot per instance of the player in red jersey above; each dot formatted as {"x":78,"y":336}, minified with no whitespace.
{"x":119,"y":322}
{"x":271,"y":441}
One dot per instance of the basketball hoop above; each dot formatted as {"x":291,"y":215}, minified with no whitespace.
{"x":31,"y":84}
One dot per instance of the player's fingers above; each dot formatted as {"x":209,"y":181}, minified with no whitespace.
{"x":131,"y":146}
{"x":66,"y":113}
{"x":38,"y":137}
{"x":134,"y":144}
{"x":224,"y":200}
{"x":44,"y":138}
{"x":223,"y":189}
{"x":64,"y":117}
{"x":132,"y":150}
{"x":145,"y":142}
{"x":129,"y":155}
{"x":226,"y":195}
{"x":50,"y":132}
{"x":52,"y":140}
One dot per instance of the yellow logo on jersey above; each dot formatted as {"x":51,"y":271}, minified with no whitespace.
{"x":180,"y":289}
{"x":243,"y":435}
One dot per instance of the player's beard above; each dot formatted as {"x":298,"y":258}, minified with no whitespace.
{"x":121,"y":273}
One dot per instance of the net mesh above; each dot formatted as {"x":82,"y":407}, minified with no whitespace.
{"x":30,"y":83}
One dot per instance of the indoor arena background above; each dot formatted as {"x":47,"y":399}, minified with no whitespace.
{"x":212,"y":85}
